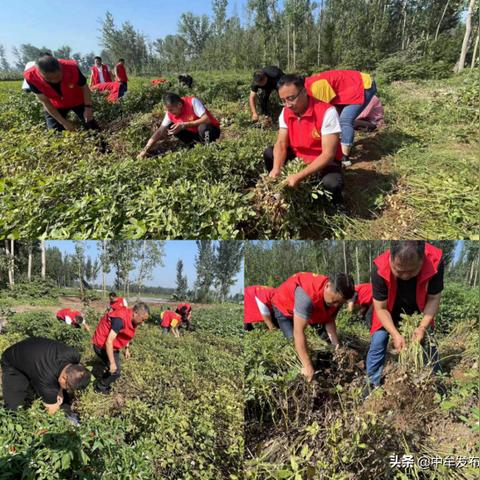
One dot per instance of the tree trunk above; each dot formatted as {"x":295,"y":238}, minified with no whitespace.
{"x":104,"y":277}
{"x":475,"y":48}
{"x":44,"y":260}
{"x":466,"y":39}
{"x":404,"y":24}
{"x":357,"y":262}
{"x":344,"y":256}
{"x":441,"y":19}
{"x":288,"y":46}
{"x":294,"y":44}
{"x":9,"y":253}
{"x":30,"y":262}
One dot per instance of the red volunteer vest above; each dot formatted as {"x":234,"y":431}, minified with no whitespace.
{"x":72,"y":94}
{"x":121,"y":73}
{"x":96,"y":75}
{"x":364,"y":294}
{"x":68,"y":312}
{"x":167,"y":318}
{"x":104,"y":326}
{"x":118,"y":303}
{"x":181,"y":305}
{"x":304,"y":133}
{"x":251,"y":313}
{"x":188,"y":115}
{"x":431,"y":260}
{"x":347,"y":84}
{"x":113,"y":89}
{"x":313,"y":284}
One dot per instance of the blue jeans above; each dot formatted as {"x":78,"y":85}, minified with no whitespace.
{"x":123,"y":89}
{"x":378,"y":352}
{"x":349,"y":113}
{"x":284,"y":323}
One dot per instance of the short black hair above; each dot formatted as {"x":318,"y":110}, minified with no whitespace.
{"x":183,"y":310}
{"x":98,"y":58}
{"x":48,"y":64}
{"x":112,"y":294}
{"x":79,"y":319}
{"x":141,"y":307}
{"x":78,"y":377}
{"x":121,"y":59}
{"x":172,"y":98}
{"x":343,"y":283}
{"x":258,"y":76}
{"x":407,"y":250}
{"x":290,"y":79}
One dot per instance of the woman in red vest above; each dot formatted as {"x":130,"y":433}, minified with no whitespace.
{"x":308,"y":299}
{"x":100,"y":73}
{"x":115,"y":331}
{"x":121,"y":76}
{"x":350,"y":91}
{"x":188,"y":120}
{"x":257,"y":306}
{"x":170,"y":322}
{"x":407,"y":279}
{"x":61,"y":87}
{"x":363,"y":300}
{"x":308,"y":129}
{"x":73,"y":318}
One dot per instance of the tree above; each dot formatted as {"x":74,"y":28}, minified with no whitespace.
{"x":228,"y":261}
{"x":205,"y":269}
{"x":466,"y":39}
{"x":43,"y":260}
{"x":182,"y":282}
{"x":4,"y":65}
{"x":121,"y":255}
{"x":150,"y":255}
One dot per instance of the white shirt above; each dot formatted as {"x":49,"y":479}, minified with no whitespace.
{"x":100,"y":74}
{"x":264,"y":310}
{"x":331,"y":122}
{"x":25,"y":85}
{"x":198,"y":108}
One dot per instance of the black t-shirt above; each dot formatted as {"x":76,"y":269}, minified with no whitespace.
{"x":406,"y":299}
{"x":117,"y":324}
{"x":57,"y":86}
{"x":41,"y":360}
{"x":273,"y":76}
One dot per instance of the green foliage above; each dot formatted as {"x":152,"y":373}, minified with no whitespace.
{"x":37,"y":292}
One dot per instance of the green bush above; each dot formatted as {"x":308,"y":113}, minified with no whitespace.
{"x":36,"y":290}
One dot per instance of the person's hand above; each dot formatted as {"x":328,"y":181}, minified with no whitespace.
{"x":88,"y":114}
{"x":293,"y":181}
{"x":274,"y":173}
{"x":308,"y":373}
{"x":177,"y":128}
{"x":337,"y":347}
{"x":254,"y":118}
{"x":59,"y":399}
{"x":68,"y":125}
{"x":418,"y":334}
{"x":113,"y":368}
{"x":398,"y":342}
{"x":127,"y":353}
{"x":142,"y":154}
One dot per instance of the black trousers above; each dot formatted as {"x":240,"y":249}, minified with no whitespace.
{"x":207,"y":133}
{"x":79,"y":112}
{"x":18,"y":390}
{"x":263,"y":98}
{"x":108,"y":378}
{"x":332,"y":175}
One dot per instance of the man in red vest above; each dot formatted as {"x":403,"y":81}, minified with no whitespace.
{"x":257,"y":306}
{"x":185,"y":311}
{"x":310,"y":130}
{"x":309,"y":298}
{"x":60,"y":86}
{"x":121,"y":76}
{"x":73,"y":318}
{"x":363,"y":300}
{"x":408,"y":279}
{"x":100,"y":73}
{"x":115,"y":331}
{"x":188,"y":120}
{"x":170,"y":322}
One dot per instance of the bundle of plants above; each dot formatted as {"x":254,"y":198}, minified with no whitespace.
{"x":283,"y":211}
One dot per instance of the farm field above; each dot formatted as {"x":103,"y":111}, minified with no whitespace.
{"x":327,"y":430}
{"x":176,"y":411}
{"x":416,"y":177}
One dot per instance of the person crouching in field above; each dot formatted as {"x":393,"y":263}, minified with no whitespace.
{"x":185,"y":311}
{"x":116,"y":302}
{"x":407,"y":279}
{"x":170,"y":322}
{"x":188,"y":120}
{"x":265,"y":80}
{"x":257,"y":306}
{"x":48,"y":368}
{"x":307,"y":299}
{"x":362,"y":301}
{"x":115,"y":330}
{"x":61,"y":87}
{"x":308,"y":129}
{"x":73,"y":318}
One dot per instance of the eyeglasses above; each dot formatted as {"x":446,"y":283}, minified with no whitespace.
{"x":289,"y":100}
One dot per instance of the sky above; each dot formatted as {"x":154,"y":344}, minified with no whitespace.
{"x":175,"y":250}
{"x":53,"y":23}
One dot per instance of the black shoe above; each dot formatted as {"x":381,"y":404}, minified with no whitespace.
{"x":99,"y":388}
{"x":72,"y":418}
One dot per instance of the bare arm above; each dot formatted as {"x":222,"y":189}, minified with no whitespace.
{"x":203,"y":119}
{"x":429,"y":312}
{"x":253,"y":108}
{"x":47,"y":105}
{"x":301,"y":346}
{"x":52,"y":408}
{"x":280,"y":152}
{"x":268,"y":321}
{"x":159,"y":134}
{"x":331,"y":329}
{"x":109,"y":349}
{"x":386,"y":320}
